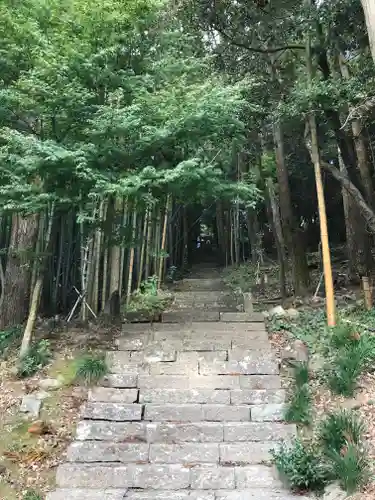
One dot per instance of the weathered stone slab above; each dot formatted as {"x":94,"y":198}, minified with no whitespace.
{"x":168,"y":495}
{"x":257,"y":366}
{"x":188,"y":316}
{"x":78,"y":494}
{"x":111,"y":431}
{"x":201,"y":432}
{"x":251,"y":354}
{"x":153,"y":354}
{"x":201,"y":343}
{"x":112,"y":411}
{"x":218,"y":382}
{"x":267,"y":413}
{"x":265,"y":396}
{"x":241,"y":317}
{"x":195,"y":356}
{"x":163,"y":382}
{"x":218,"y":413}
{"x":174,"y":368}
{"x":207,"y":477}
{"x":173,"y":413}
{"x":131,"y":342}
{"x":256,"y":476}
{"x":185,"y":453}
{"x":163,"y":477}
{"x":257,"y":494}
{"x":120,"y":380}
{"x":184,"y":396}
{"x":118,"y":362}
{"x":255,"y":431}
{"x":244,"y":453}
{"x":255,"y":382}
{"x":110,"y":395}
{"x":103,"y":451}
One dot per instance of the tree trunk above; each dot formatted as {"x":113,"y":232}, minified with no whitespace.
{"x":114,"y":285}
{"x":34,"y":306}
{"x":163,"y":240}
{"x":369,"y":10}
{"x":17,"y":274}
{"x":274,"y":216}
{"x":292,"y":237}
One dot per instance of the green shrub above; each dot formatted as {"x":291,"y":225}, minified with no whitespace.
{"x":348,"y":363}
{"x":36,"y":357}
{"x":32,"y":495}
{"x":301,"y":374}
{"x":339,"y":429}
{"x":149,"y":299}
{"x":342,"y":335}
{"x":90,"y":369}
{"x":301,"y":466}
{"x":350,"y":467}
{"x":299,"y":408}
{"x":9,"y":337}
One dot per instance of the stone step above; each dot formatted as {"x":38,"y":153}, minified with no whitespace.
{"x":120,"y":380}
{"x":258,"y":494}
{"x":119,"y":362}
{"x":214,"y":382}
{"x":79,"y":494}
{"x":110,"y":395}
{"x":196,"y":413}
{"x":208,"y":284}
{"x":241,"y":317}
{"x":257,"y":397}
{"x":99,"y":475}
{"x":107,"y":451}
{"x":189,"y":316}
{"x":112,"y":411}
{"x":171,"y":432}
{"x":185,"y":396}
{"x":258,"y":365}
{"x":168,"y":477}
{"x":168,"y":495}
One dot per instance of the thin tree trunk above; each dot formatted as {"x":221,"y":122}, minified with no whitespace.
{"x":278,"y":236}
{"x":122,"y":253}
{"x":143,"y":247}
{"x":369,"y":10}
{"x":114,"y":285}
{"x":96,"y":258}
{"x":14,"y":309}
{"x":131,"y":258}
{"x":163,"y":240}
{"x":37,"y":289}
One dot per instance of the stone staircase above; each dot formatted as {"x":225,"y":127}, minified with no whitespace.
{"x":189,"y":411}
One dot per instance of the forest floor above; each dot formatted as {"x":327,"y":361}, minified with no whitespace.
{"x":308,"y":324}
{"x":30,"y":448}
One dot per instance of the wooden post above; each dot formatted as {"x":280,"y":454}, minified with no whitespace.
{"x":367,"y":291}
{"x":315,"y":156}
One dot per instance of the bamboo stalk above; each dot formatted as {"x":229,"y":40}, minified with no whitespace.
{"x":367,"y":292}
{"x":144,"y":243}
{"x":164,"y":234}
{"x":131,"y":258}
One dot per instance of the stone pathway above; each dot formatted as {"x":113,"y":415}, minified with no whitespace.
{"x":189,"y":411}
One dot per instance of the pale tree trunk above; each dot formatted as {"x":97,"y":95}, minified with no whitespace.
{"x":354,"y":228}
{"x":114,"y":285}
{"x":37,"y":288}
{"x":290,"y":230}
{"x":17,"y":274}
{"x":131,"y":258}
{"x":96,"y":258}
{"x":274,"y":211}
{"x":369,"y":10}
{"x":163,"y":240}
{"x":143,"y":248}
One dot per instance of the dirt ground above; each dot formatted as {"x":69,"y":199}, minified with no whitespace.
{"x":31,"y":449}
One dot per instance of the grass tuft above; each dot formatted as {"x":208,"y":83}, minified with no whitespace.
{"x":301,"y":374}
{"x":350,"y":467}
{"x":90,"y":369}
{"x":32,"y":495}
{"x":299,"y":408}
{"x":339,"y":429}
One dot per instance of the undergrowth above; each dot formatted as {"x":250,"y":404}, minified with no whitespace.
{"x":148,"y":299}
{"x":299,"y":407}
{"x":32,"y":495}
{"x":300,"y":466}
{"x":350,"y":353}
{"x":38,"y":356}
{"x":9,"y":337}
{"x":89,"y":369}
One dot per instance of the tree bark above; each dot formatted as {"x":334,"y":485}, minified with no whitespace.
{"x":369,"y":10}
{"x":17,"y":274}
{"x":292,"y":237}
